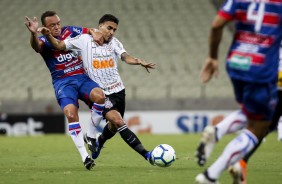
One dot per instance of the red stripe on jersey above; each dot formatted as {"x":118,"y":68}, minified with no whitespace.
{"x":269,"y":18}
{"x":275,"y":1}
{"x":241,"y":15}
{"x":225,"y":15}
{"x":255,"y":58}
{"x":84,"y":30}
{"x":253,"y":38}
{"x":68,"y":64}
{"x":65,"y":34}
{"x":77,"y":72}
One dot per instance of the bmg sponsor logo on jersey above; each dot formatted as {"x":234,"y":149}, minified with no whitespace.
{"x":101,"y":64}
{"x":65,"y":57}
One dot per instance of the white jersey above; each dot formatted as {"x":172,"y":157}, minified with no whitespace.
{"x":100,"y":62}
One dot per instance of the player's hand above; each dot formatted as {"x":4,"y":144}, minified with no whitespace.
{"x":32,"y":25}
{"x":97,"y":36}
{"x":146,"y":65}
{"x":209,"y":70}
{"x":44,"y":30}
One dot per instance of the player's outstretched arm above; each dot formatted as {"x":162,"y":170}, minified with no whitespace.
{"x":97,"y":35}
{"x":57,"y":44}
{"x":136,"y":61}
{"x":210,"y":67}
{"x":32,"y":26}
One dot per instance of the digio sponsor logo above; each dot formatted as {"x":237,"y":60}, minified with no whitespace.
{"x":65,"y":57}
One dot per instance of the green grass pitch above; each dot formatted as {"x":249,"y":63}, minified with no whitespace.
{"x":53,"y":159}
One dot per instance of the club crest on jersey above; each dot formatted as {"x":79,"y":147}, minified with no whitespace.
{"x":109,"y":47}
{"x":108,"y":104}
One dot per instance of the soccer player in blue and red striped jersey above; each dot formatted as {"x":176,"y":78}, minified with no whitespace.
{"x":68,"y":76}
{"x":234,"y":122}
{"x":252,"y":65}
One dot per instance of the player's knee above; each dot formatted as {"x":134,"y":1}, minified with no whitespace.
{"x":72,"y":116}
{"x":97,"y":96}
{"x":117,"y":122}
{"x":71,"y":113}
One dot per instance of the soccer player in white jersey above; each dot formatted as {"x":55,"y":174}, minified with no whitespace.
{"x":100,"y":63}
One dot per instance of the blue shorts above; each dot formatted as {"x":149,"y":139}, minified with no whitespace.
{"x":258,"y":100}
{"x":68,"y":90}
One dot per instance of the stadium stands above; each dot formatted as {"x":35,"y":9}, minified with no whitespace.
{"x":172,"y":34}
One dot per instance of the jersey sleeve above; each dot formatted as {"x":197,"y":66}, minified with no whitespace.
{"x":46,"y":44}
{"x":76,"y":43}
{"x":118,"y":47}
{"x":78,"y":30}
{"x":227,"y":10}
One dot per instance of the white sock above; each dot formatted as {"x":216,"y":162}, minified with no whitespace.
{"x":279,"y":129}
{"x":92,"y":130}
{"x":233,"y":152}
{"x":232,"y":123}
{"x":96,"y":117}
{"x":77,"y":137}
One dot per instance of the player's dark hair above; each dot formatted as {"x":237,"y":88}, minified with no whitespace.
{"x":108,"y":17}
{"x":47,"y":14}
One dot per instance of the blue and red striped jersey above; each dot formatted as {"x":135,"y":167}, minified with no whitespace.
{"x":254,"y":53}
{"x":63,"y":63}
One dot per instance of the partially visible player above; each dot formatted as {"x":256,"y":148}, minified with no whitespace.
{"x":279,"y":106}
{"x":252,"y":65}
{"x":101,"y":64}
{"x":68,"y":76}
{"x":232,"y":123}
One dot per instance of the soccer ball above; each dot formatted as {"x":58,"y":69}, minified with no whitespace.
{"x":163,"y":155}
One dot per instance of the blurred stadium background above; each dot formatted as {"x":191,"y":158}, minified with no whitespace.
{"x":171,"y":33}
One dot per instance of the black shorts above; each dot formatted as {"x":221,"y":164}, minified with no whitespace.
{"x":115,"y":101}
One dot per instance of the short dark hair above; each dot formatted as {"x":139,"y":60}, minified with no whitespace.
{"x":108,"y":17}
{"x":47,"y":14}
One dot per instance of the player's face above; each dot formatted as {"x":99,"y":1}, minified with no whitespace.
{"x":54,"y":24}
{"x":108,"y":30}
